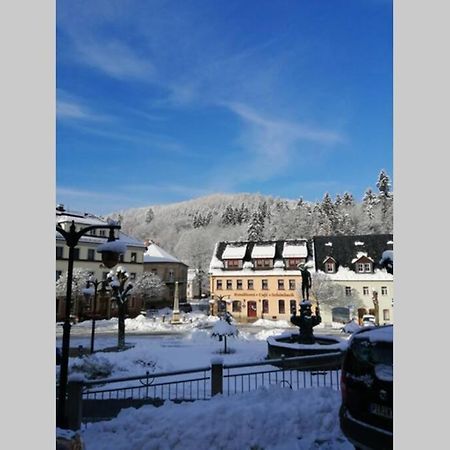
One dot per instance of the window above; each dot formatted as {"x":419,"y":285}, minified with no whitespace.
{"x":76,"y":253}
{"x":365,"y":290}
{"x":133,"y":257}
{"x":292,"y":285}
{"x":250,"y":284}
{"x":121,"y":258}
{"x":59,"y":252}
{"x":265,"y":306}
{"x":264,"y":285}
{"x":236,"y":306}
{"x":281,"y":284}
{"x":364,"y":267}
{"x":383,"y":290}
{"x":386,"y":314}
{"x":239,"y":284}
{"x":281,"y":309}
{"x":58,"y":274}
{"x":348,"y":290}
{"x":102,"y":232}
{"x":293,"y":306}
{"x":171,"y":275}
{"x":263,"y":263}
{"x":293,"y":263}
{"x":229,"y":284}
{"x":219,"y":284}
{"x":154,"y":271}
{"x":91,"y":254}
{"x":329,"y":267}
{"x":233,"y":264}
{"x":92,"y":232}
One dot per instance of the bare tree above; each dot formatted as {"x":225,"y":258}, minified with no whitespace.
{"x":149,"y":286}
{"x":80,"y":278}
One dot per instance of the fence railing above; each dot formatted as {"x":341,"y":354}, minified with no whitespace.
{"x":91,"y":400}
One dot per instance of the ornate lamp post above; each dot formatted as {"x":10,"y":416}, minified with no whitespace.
{"x":121,"y":288}
{"x":110,"y":256}
{"x":90,"y":291}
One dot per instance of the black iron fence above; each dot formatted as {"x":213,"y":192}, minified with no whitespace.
{"x":93,"y":400}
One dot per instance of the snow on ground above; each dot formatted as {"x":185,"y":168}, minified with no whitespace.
{"x":272,"y":418}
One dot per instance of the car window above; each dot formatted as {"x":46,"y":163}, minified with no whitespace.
{"x":372,"y":352}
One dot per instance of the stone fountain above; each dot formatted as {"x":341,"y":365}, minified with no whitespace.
{"x":304,"y":343}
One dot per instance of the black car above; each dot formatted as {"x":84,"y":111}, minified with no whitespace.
{"x":185,"y":307}
{"x":366,"y":413}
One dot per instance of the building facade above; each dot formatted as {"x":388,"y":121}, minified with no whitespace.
{"x":257,"y":280}
{"x":169,"y":269}
{"x":87,"y":258}
{"x":363,"y":266}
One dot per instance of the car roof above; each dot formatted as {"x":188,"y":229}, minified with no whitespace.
{"x":384,"y":333}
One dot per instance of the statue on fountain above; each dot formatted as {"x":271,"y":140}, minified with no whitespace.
{"x":306,"y":281}
{"x":306,"y":321}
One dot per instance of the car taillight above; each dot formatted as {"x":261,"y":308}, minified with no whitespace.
{"x":343,"y":386}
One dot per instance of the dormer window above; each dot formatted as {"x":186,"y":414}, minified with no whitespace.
{"x":292,"y":263}
{"x":263,"y":263}
{"x":330,"y":265}
{"x":364,"y":267}
{"x":233,"y":263}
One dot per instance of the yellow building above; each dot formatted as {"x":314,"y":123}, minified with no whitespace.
{"x":257,"y":280}
{"x":87,"y":258}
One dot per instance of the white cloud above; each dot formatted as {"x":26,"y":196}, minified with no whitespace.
{"x":115,"y":59}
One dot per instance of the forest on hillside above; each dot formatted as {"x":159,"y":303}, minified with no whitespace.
{"x":189,"y":230}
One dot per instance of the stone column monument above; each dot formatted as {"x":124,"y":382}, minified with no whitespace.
{"x":176,"y":307}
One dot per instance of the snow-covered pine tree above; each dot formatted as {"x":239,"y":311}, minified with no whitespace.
{"x":328,"y":208}
{"x":256,"y":227}
{"x":384,"y":195}
{"x":348,"y":200}
{"x":369,"y":203}
{"x":149,"y":215}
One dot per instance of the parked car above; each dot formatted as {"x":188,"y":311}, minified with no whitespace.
{"x":186,"y":307}
{"x":368,"y":320}
{"x":366,"y":413}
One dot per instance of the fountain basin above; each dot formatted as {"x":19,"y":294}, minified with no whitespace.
{"x":329,"y":349}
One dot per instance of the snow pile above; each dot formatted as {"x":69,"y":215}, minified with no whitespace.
{"x":155,"y":323}
{"x":272,"y":323}
{"x":274,"y":419}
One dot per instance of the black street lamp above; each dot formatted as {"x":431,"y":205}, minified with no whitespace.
{"x":88,"y":293}
{"x":121,"y":288}
{"x":110,"y":257}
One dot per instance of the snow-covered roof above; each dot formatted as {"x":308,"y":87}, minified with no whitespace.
{"x":263,"y":251}
{"x":85,"y":220}
{"x":234,"y":251}
{"x":156,"y":254}
{"x":360,"y":255}
{"x":295,"y":250}
{"x":82,"y":220}
{"x":345,"y":274}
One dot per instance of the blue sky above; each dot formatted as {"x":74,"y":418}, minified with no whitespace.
{"x":164,"y":101}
